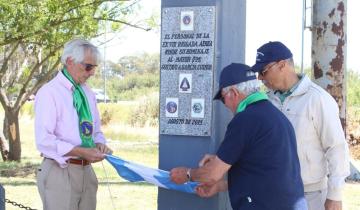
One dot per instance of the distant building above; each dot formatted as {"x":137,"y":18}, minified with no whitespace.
{"x":100,"y":95}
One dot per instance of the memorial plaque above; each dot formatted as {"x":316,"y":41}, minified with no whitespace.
{"x":186,"y":70}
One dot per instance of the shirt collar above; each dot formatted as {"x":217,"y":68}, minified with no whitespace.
{"x":64,"y":81}
{"x":283,"y":95}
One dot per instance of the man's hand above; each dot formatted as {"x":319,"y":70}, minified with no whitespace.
{"x":90,"y":154}
{"x":333,"y":205}
{"x":178,"y":175}
{"x":205,"y":190}
{"x":206,"y":159}
{"x":103,"y":148}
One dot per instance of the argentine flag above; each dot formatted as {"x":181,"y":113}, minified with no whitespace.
{"x":137,"y":173}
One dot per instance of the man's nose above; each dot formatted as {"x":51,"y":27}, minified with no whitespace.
{"x":92,"y":72}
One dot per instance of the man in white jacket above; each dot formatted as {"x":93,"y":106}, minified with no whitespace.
{"x":314,"y":114}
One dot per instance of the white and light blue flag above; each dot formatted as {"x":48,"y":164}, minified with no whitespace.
{"x":137,"y":173}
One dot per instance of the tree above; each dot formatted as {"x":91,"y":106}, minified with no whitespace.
{"x":353,"y":87}
{"x":129,"y":78}
{"x":32,"y":34}
{"x":142,"y":63}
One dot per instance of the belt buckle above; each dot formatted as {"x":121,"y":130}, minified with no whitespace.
{"x":83,"y":162}
{"x":77,"y":161}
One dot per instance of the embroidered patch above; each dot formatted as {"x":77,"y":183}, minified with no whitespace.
{"x":86,"y":128}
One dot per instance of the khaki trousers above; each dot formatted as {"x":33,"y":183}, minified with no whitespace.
{"x":316,"y":200}
{"x":70,"y":188}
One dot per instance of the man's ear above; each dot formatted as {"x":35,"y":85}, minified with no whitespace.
{"x":282,"y":64}
{"x":69,"y":61}
{"x":234,"y":91}
{"x":237,"y":94}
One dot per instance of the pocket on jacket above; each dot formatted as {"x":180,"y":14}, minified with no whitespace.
{"x":316,"y":164}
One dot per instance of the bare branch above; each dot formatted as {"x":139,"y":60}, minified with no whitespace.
{"x":3,"y":98}
{"x":6,"y":60}
{"x":33,"y":70}
{"x":40,"y":82}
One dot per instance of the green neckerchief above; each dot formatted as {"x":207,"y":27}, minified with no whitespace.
{"x":252,"y":98}
{"x":82,"y":107}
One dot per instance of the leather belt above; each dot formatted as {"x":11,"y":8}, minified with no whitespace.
{"x":75,"y":161}
{"x":81,"y":162}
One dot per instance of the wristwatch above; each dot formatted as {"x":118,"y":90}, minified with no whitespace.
{"x":188,"y":174}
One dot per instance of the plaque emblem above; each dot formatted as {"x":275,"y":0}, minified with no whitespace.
{"x":197,"y":108}
{"x":185,"y":85}
{"x":185,"y":81}
{"x":171,"y":107}
{"x":186,"y":19}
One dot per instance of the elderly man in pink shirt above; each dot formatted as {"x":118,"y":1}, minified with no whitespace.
{"x":67,"y":132}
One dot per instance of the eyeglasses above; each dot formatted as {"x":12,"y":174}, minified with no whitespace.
{"x":88,"y":66}
{"x":263,"y":72}
{"x":222,"y":97}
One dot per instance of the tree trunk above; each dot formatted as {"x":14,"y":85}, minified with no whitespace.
{"x":4,"y":149}
{"x":12,"y":133}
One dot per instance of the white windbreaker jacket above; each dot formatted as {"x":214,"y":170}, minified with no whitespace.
{"x":321,"y":144}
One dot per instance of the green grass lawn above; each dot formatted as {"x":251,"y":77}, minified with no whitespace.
{"x":21,"y":187}
{"x":125,"y":195}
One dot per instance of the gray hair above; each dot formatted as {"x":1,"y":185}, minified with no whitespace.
{"x":290,"y":61}
{"x":75,"y":49}
{"x":247,"y":88}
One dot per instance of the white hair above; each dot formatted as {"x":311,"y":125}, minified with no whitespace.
{"x":247,"y":88}
{"x":75,"y":49}
{"x":290,"y":61}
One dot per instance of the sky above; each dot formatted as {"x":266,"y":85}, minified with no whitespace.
{"x":274,"y":20}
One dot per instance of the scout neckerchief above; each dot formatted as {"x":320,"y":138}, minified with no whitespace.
{"x":81,"y":105}
{"x":257,"y":96}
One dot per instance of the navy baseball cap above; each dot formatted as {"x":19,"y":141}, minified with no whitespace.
{"x":233,"y":74}
{"x":270,"y":52}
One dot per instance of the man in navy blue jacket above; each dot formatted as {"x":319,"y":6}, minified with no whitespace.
{"x":258,"y":151}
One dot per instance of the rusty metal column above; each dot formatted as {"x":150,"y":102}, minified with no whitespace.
{"x":329,"y":49}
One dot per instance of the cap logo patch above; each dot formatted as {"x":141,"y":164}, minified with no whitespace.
{"x":259,"y":55}
{"x":250,"y":73}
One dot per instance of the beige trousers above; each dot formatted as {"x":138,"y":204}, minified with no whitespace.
{"x":70,"y":188}
{"x":316,"y":200}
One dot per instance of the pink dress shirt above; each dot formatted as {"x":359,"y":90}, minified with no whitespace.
{"x":56,"y":120}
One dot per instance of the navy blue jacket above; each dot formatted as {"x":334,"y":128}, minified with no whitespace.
{"x":260,"y":146}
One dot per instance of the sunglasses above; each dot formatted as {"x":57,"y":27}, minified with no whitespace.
{"x":88,"y":67}
{"x":263,"y":72}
